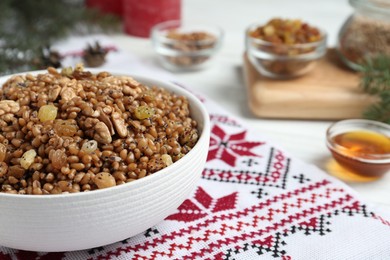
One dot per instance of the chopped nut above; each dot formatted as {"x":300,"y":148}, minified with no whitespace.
{"x":119,"y":124}
{"x":67,"y":93}
{"x":105,"y":119}
{"x":3,"y":152}
{"x":102,"y":133}
{"x":167,"y":159}
{"x":104,"y":180}
{"x":54,"y":92}
{"x":3,"y":168}
{"x":8,"y":106}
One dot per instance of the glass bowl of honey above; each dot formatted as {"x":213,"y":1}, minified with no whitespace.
{"x":360,"y":146}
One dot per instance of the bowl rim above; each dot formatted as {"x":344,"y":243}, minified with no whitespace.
{"x":373,"y":6}
{"x":159,"y":36}
{"x":177,"y":89}
{"x":321,"y":42}
{"x":373,"y":158}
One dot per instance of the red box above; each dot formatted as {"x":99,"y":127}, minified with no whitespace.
{"x":141,"y":15}
{"x":107,"y":6}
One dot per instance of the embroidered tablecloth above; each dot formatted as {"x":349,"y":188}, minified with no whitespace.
{"x":254,"y":201}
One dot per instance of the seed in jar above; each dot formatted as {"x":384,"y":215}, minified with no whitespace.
{"x":144,"y":112}
{"x":47,"y":112}
{"x":28,"y":158}
{"x":89,"y":146}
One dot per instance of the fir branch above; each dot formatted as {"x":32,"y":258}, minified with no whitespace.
{"x":381,"y":110}
{"x":27,"y":26}
{"x":376,"y":75}
{"x":375,"y":80}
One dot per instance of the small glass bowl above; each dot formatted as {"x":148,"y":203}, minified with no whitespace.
{"x":283,"y":61}
{"x":367,"y":161}
{"x":183,"y":52}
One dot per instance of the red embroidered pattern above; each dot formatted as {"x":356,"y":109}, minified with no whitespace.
{"x":277,"y":165}
{"x":250,"y":199}
{"x":189,"y":211}
{"x":228,"y":148}
{"x":245,"y":177}
{"x":236,"y":227}
{"x":223,"y":119}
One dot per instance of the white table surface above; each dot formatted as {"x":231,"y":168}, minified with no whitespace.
{"x":223,"y":82}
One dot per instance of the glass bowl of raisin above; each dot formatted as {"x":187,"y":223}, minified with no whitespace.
{"x":184,"y":47}
{"x":284,"y":48}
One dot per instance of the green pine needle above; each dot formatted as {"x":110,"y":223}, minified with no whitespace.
{"x":381,"y":110}
{"x":26,"y":26}
{"x":376,"y":75}
{"x":375,"y":80}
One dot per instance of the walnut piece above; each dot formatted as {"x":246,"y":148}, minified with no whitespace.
{"x":8,"y":106}
{"x":54,"y":92}
{"x":67,"y":93}
{"x":105,"y":119}
{"x":102,"y":133}
{"x":119,"y":124}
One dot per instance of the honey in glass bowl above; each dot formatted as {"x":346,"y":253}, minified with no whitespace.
{"x":361,"y":147}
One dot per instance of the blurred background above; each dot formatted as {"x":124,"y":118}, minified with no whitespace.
{"x":29,"y":28}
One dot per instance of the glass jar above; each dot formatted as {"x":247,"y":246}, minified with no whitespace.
{"x":366,"y":33}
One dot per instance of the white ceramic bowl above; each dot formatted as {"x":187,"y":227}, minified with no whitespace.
{"x":85,"y":220}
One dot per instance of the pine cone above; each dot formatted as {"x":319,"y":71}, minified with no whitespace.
{"x":47,"y":58}
{"x":94,"y":56}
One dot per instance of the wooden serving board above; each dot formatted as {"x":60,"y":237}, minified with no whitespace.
{"x":329,"y":91}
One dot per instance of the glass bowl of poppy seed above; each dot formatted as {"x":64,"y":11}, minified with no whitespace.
{"x":90,"y":158}
{"x":185,"y":47}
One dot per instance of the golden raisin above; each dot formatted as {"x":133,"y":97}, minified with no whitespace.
{"x":65,"y":127}
{"x":287,"y":31}
{"x":58,"y":158}
{"x":47,"y":112}
{"x":144,"y":112}
{"x":28,"y":158}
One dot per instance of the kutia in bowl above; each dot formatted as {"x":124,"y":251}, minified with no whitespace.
{"x":284,"y":48}
{"x":185,"y":47}
{"x":89,"y":158}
